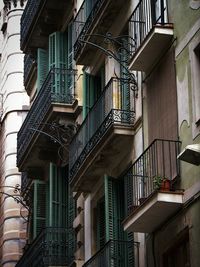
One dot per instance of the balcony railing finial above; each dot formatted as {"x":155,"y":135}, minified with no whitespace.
{"x":7,"y":3}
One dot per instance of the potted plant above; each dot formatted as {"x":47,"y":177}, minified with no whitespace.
{"x":161,"y":183}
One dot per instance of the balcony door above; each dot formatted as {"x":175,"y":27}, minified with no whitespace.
{"x":57,"y":197}
{"x":60,"y":60}
{"x":162,"y":100}
{"x":60,"y":211}
{"x":91,"y":93}
{"x":162,"y":109}
{"x":110,"y":214}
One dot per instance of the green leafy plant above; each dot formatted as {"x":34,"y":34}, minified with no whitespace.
{"x":158,"y":180}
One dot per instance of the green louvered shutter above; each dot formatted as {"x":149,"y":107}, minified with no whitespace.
{"x":89,"y":99}
{"x":58,"y":60}
{"x":57,"y":212}
{"x":92,"y":86}
{"x":122,"y":255}
{"x":113,"y":208}
{"x":101,"y":231}
{"x":130,"y":255}
{"x":39,"y":206}
{"x":57,"y":194}
{"x":128,"y":195}
{"x":128,"y":202}
{"x":124,"y":74}
{"x":42,"y":67}
{"x":84,"y":95}
{"x":58,"y":50}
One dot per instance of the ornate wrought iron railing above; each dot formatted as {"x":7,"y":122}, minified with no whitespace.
{"x":112,"y":107}
{"x":146,"y":15}
{"x":28,"y":17}
{"x":58,"y":87}
{"x":49,"y":248}
{"x":117,"y":254}
{"x":25,"y":182}
{"x":28,"y":65}
{"x":157,"y":163}
{"x":84,"y":21}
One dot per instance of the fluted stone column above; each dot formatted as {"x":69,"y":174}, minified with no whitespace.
{"x":14,"y":108}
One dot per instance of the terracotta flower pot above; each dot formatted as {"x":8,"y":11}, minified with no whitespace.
{"x":165,"y":185}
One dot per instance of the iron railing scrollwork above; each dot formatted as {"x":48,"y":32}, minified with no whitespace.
{"x":28,"y":17}
{"x":159,"y":160}
{"x":15,"y":195}
{"x":25,"y":182}
{"x":112,"y":107}
{"x":145,"y":16}
{"x":49,"y":248}
{"x":84,"y":20}
{"x":58,"y":87}
{"x":116,"y":253}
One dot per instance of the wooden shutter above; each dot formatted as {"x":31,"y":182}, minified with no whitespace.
{"x":58,"y":50}
{"x":92,"y":87}
{"x":114,"y":215}
{"x":128,"y":193}
{"x":113,"y":208}
{"x":39,"y":206}
{"x":42,"y":66}
{"x":58,"y":60}
{"x":88,"y":93}
{"x":57,"y":194}
{"x":101,"y":231}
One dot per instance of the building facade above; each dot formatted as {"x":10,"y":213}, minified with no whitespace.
{"x":109,"y":150}
{"x":14,"y":105}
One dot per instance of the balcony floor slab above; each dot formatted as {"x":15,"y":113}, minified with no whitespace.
{"x":152,"y":48}
{"x":42,"y":148}
{"x":107,"y":157}
{"x":153,"y":212}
